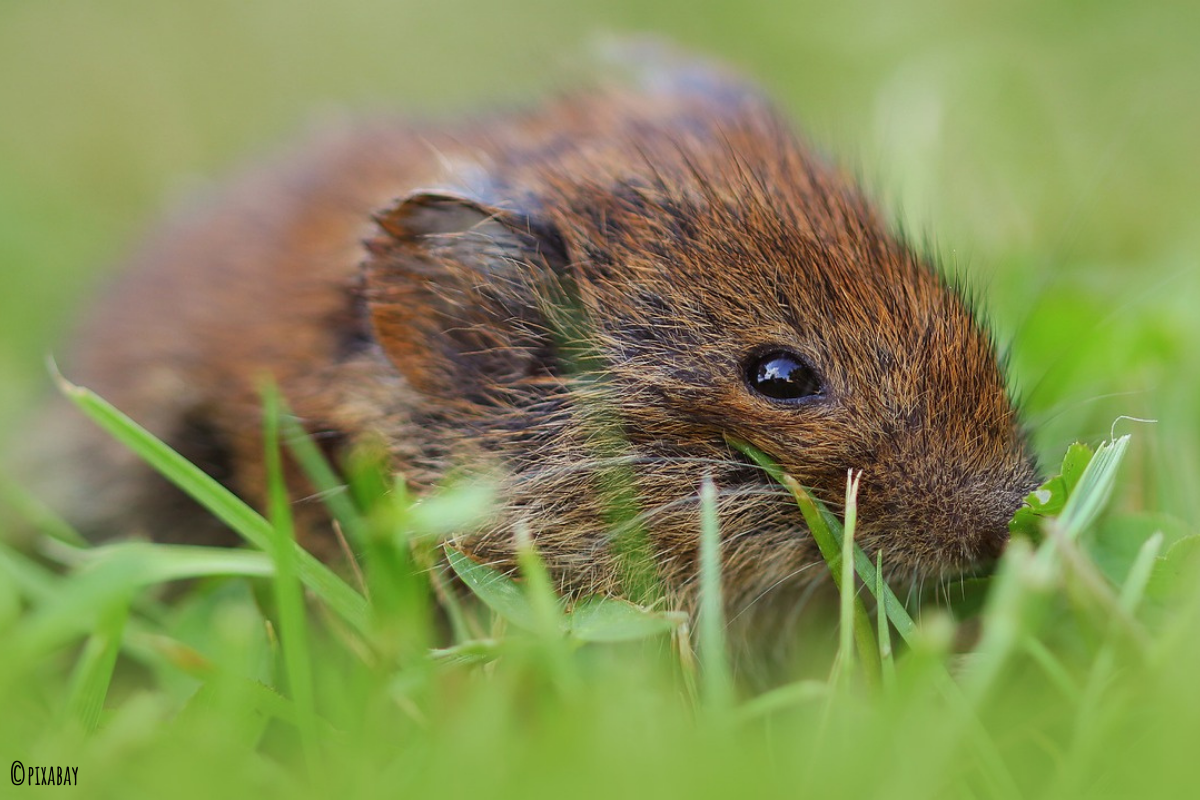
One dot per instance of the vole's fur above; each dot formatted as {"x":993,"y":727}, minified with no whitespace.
{"x":567,"y":298}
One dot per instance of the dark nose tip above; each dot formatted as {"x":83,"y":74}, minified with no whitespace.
{"x":991,"y":543}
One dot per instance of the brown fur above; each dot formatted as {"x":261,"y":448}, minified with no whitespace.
{"x":566,"y":298}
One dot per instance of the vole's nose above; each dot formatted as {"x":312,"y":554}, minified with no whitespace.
{"x":942,"y":516}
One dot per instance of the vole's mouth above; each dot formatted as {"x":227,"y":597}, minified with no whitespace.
{"x":950,"y":525}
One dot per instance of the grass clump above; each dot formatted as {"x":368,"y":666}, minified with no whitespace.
{"x":271,"y":673}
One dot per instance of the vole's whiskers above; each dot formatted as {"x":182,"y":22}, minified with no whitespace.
{"x":688,"y":502}
{"x":1063,"y":407}
{"x":771,"y":587}
{"x":598,"y":464}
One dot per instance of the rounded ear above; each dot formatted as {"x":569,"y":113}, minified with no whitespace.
{"x":456,"y":293}
{"x":431,"y":214}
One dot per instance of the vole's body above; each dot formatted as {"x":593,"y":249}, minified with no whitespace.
{"x":569,"y":299}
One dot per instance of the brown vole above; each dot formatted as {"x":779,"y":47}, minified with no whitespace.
{"x":586,"y":300}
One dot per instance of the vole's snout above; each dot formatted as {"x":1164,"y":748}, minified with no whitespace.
{"x":940,"y":516}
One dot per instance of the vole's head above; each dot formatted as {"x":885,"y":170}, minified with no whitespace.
{"x":616,"y":287}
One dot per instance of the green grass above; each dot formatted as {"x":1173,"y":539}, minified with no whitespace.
{"x":1071,"y":675}
{"x":1047,"y":149}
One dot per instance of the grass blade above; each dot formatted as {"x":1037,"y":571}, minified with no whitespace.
{"x":828,"y":534}
{"x":1139,"y":574}
{"x":151,"y":564}
{"x":498,"y":591}
{"x":850,"y":625}
{"x":714,"y":659}
{"x":330,"y":487}
{"x":293,"y":625}
{"x":94,"y":669}
{"x":222,"y":503}
{"x":1090,"y":495}
{"x":887,"y":663}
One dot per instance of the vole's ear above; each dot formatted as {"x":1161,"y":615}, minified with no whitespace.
{"x":457,"y":295}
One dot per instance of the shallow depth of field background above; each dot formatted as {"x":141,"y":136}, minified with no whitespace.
{"x":1048,"y":151}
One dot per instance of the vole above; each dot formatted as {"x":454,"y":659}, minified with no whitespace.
{"x":587,"y":299}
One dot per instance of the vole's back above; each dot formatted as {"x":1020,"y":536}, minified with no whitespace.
{"x":253,"y":280}
{"x":260,"y":279}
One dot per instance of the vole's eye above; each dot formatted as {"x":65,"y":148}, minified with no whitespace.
{"x":780,"y":375}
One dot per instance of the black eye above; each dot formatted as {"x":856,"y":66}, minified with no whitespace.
{"x":781,"y":375}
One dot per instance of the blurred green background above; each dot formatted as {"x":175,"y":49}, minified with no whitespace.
{"x":1048,"y":150}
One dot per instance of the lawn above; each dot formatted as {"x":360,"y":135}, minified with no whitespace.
{"x":1046,"y":151}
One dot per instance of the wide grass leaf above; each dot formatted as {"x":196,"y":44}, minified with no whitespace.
{"x":150,"y":564}
{"x":498,"y":591}
{"x":592,"y":619}
{"x":608,"y":619}
{"x":1049,"y":499}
